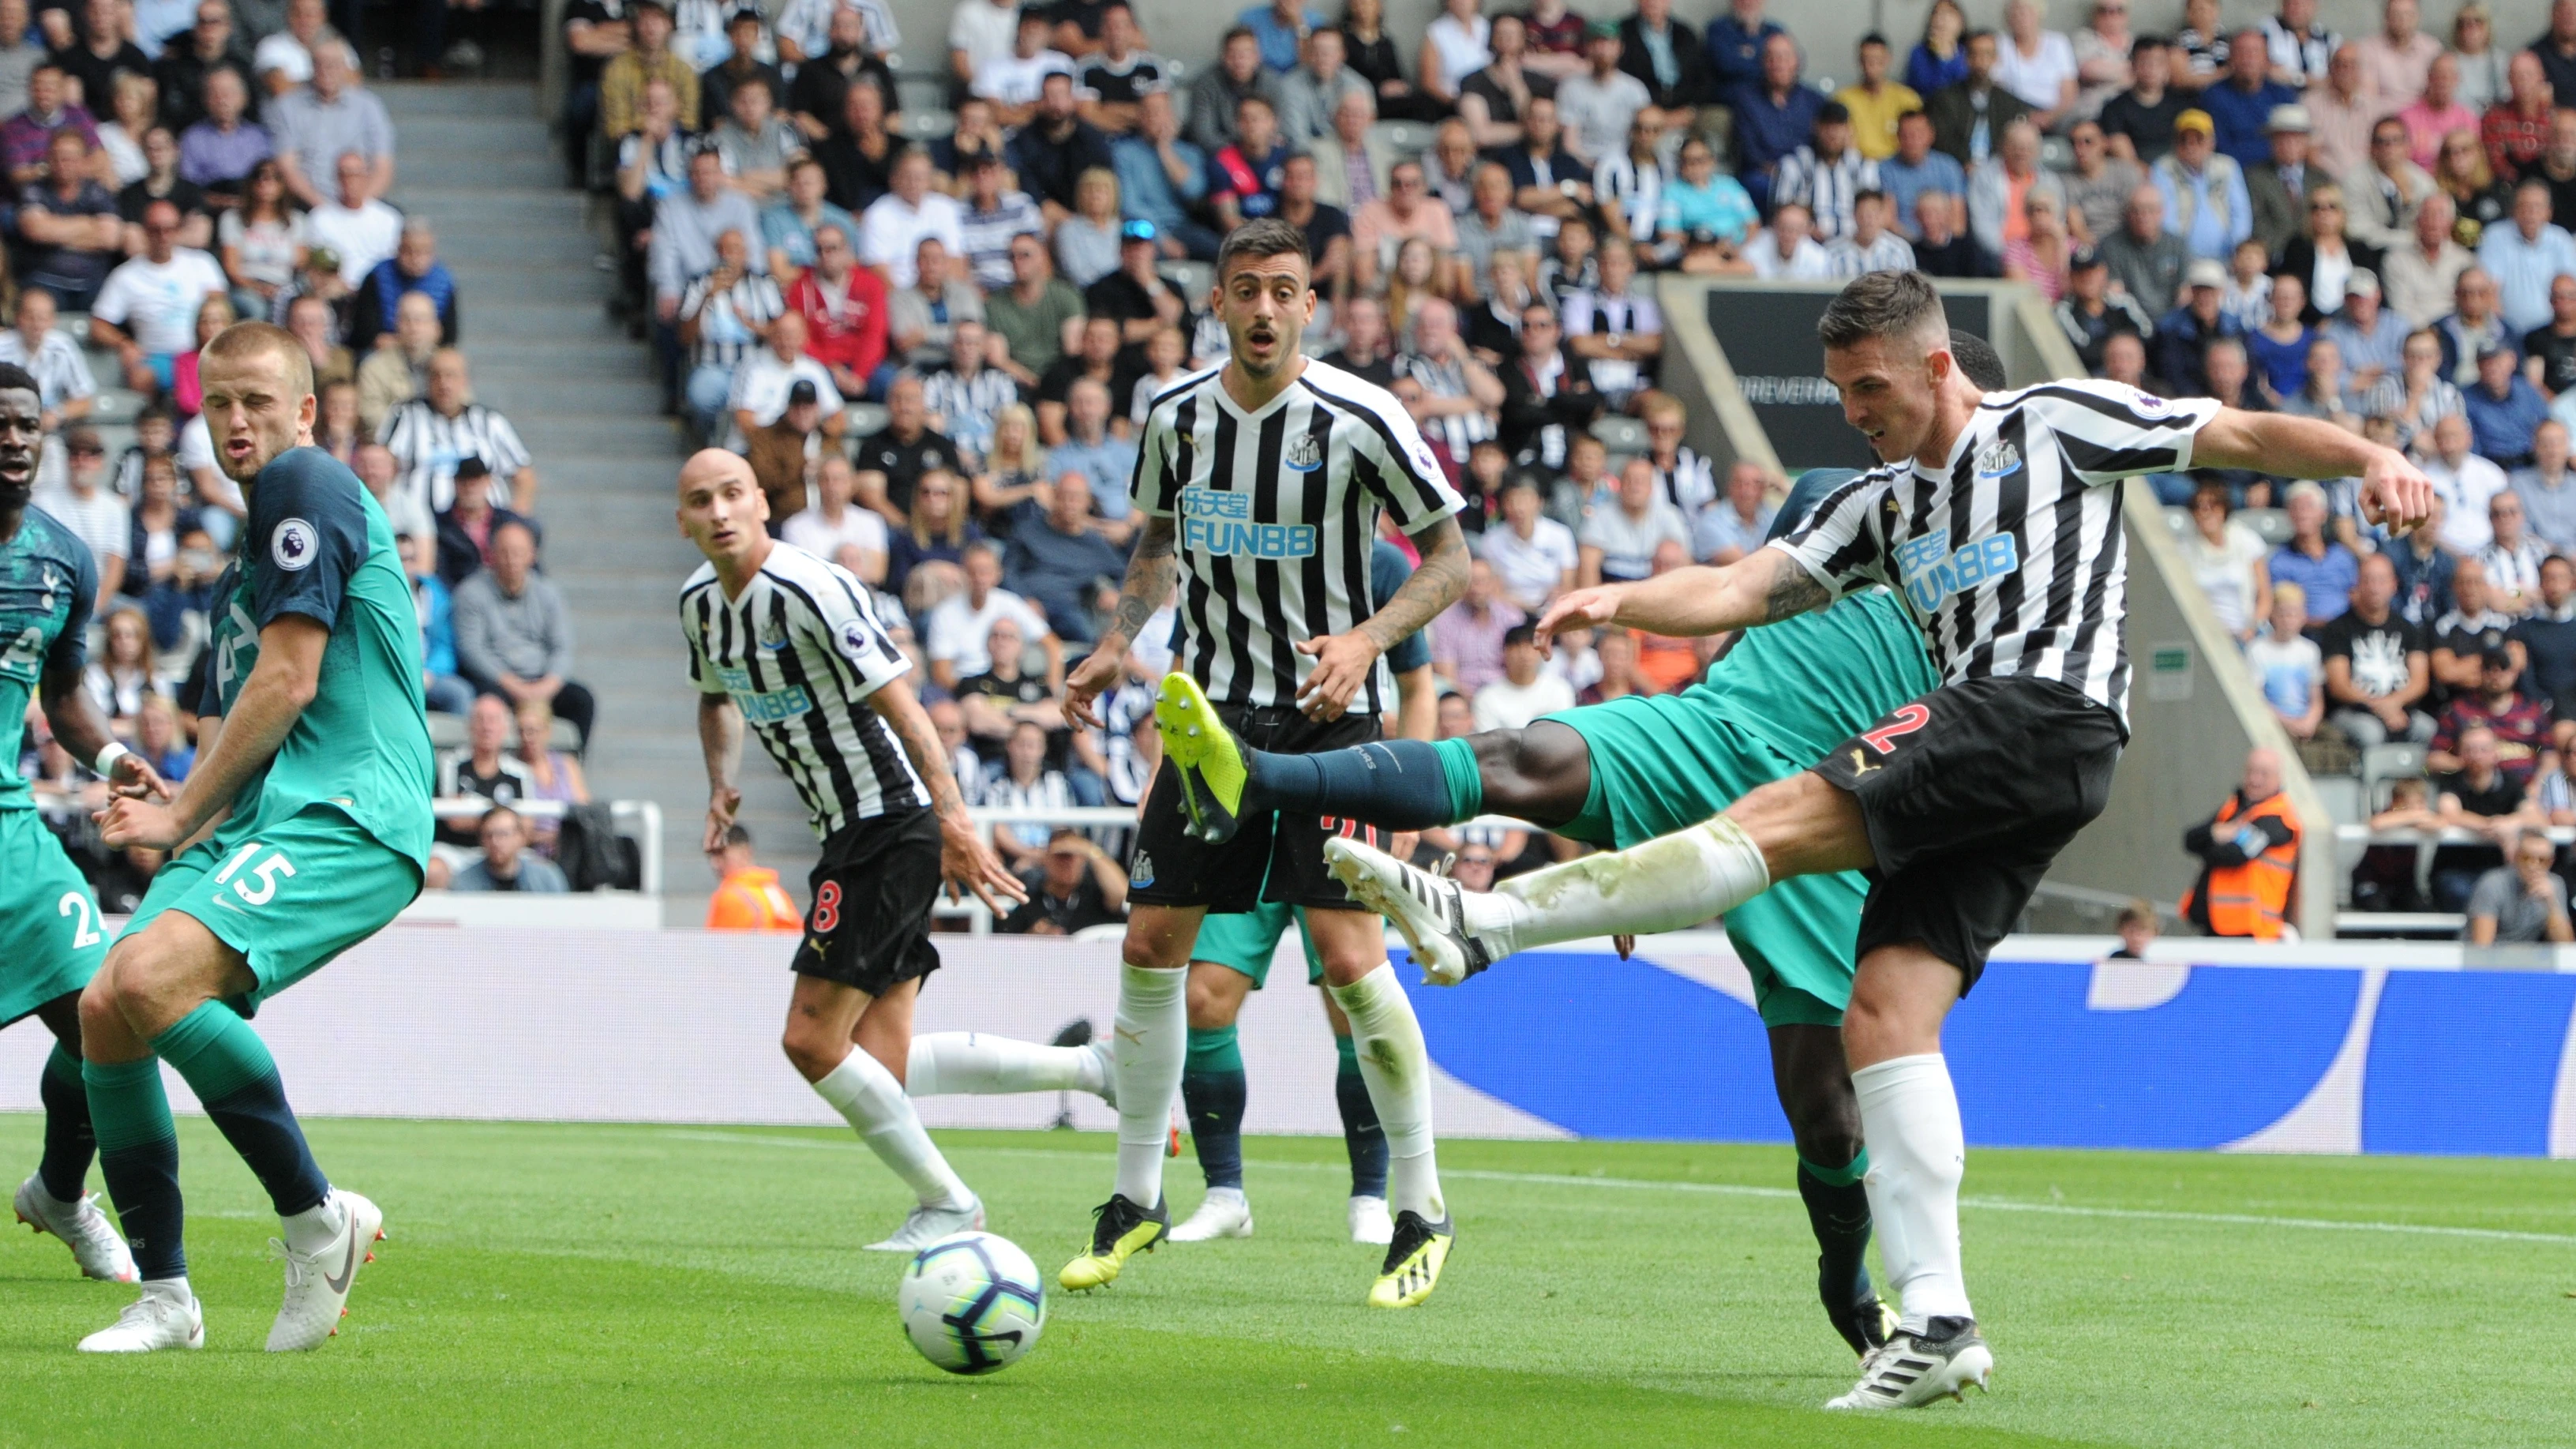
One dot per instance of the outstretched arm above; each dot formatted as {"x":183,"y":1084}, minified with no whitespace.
{"x":1151,"y":572}
{"x":1343,"y":661}
{"x":2394,"y":492}
{"x":1763,"y":587}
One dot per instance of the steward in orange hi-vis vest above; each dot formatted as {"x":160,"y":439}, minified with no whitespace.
{"x":2249,"y":864}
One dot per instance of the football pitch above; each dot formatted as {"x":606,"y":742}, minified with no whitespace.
{"x":561,"y":1285}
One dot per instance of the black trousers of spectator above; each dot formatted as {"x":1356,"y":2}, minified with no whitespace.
{"x":572,"y":703}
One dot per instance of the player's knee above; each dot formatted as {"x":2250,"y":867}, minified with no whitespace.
{"x":811,"y":1050}
{"x":101,"y":1017}
{"x":1211,"y":1009}
{"x":1532,"y":771}
{"x":1154,"y":948}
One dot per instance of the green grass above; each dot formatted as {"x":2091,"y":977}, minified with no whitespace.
{"x":552,"y":1285}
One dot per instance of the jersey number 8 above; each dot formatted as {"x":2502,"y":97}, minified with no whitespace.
{"x":827,"y":908}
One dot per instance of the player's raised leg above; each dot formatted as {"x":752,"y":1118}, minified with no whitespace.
{"x":980,"y":1064}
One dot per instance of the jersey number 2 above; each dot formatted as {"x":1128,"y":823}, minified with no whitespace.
{"x":266,"y":872}
{"x":84,"y":934}
{"x":1906,"y":720}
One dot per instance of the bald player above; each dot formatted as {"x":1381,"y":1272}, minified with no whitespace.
{"x":302,"y":831}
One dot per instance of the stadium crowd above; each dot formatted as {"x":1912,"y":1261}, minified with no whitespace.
{"x":174,"y":168}
{"x":2372,"y":230}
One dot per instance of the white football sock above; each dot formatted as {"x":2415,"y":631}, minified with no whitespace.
{"x":869,"y":1098}
{"x":1397,"y":1067}
{"x":313,"y":1229}
{"x":976,"y":1064}
{"x":1909,"y":1115}
{"x":1153,"y":1026}
{"x":174,"y":1289}
{"x":1669,"y":883}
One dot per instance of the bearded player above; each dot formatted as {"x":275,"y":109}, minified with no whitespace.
{"x":51,"y":938}
{"x":1261,"y":483}
{"x":303,"y":830}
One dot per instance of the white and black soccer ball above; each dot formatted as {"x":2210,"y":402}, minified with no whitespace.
{"x":972,"y":1303}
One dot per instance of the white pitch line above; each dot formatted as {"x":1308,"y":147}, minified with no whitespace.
{"x":1730,"y":1189}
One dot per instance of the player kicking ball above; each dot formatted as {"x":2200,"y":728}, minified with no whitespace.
{"x":787,"y":646}
{"x":1991,"y":517}
{"x":302,"y":831}
{"x":1261,"y":483}
{"x":50,"y":934}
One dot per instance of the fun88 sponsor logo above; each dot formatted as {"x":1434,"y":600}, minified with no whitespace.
{"x":1214,"y":521}
{"x":1932,"y":571}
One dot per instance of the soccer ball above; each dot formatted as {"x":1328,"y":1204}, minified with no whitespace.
{"x":972,"y":1303}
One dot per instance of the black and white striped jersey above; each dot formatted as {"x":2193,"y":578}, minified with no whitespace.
{"x":800,"y":652}
{"x":428,"y":444}
{"x":1275,"y":511}
{"x":2011,"y":557}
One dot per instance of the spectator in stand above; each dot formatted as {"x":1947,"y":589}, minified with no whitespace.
{"x":483,"y":770}
{"x":2240,"y":107}
{"x":1619,"y":542}
{"x":1615,"y":332}
{"x":1495,"y":99}
{"x":836,"y":528}
{"x":2397,"y":58}
{"x":2287,"y":666}
{"x":1969,"y":116}
{"x":2184,"y":335}
{"x":1086,"y":242}
{"x":507,"y":863}
{"x":819,"y":98}
{"x":1117,"y":75}
{"x":1162,"y":177}
{"x":2462,"y":636}
{"x":893,"y":461}
{"x":1534,"y":557}
{"x":2384,"y":200}
{"x":2482,"y":799}
{"x":465,"y":530}
{"x":393,"y":375}
{"x":955,"y":633}
{"x":2525,"y":902}
{"x":2279,"y":183}
{"x":788,"y":228}
{"x":895,"y":224}
{"x":748,"y":896}
{"x":1101,"y":358}
{"x":621,"y":82}
{"x":160,"y":181}
{"x":844,"y":308}
{"x":782,"y":453}
{"x":314,"y":128}
{"x":2424,"y":569}
{"x":1107,"y":460}
{"x":2147,"y":262}
{"x":2549,"y":350}
{"x":1526,"y":691}
{"x":686,"y":225}
{"x":2097,"y":189}
{"x":1467,"y":638}
{"x":2323,"y":568}
{"x":1406,"y":213}
{"x":2249,"y":850}
{"x":2227,"y":559}
{"x":2504,"y":409}
{"x":2043,"y":255}
{"x":2090,"y":313}
{"x":2377,"y":668}
{"x":2437,"y":115}
{"x":1787,"y":250}
{"x":2206,"y":203}
{"x":187,"y":65}
{"x":718,"y":83}
{"x":413,"y":269}
{"x":2037,"y":65}
{"x":1943,"y":249}
{"x":2547,"y":489}
{"x":1452,"y":395}
{"x":83,"y":503}
{"x":2526,"y":258}
{"x":2512,"y":562}
{"x":440,"y":687}
{"x":63,"y":381}
{"x":1916,"y":168}
{"x":922,"y":319}
{"x":1061,"y":562}
{"x":1828,"y":174}
{"x":2370,"y":337}
{"x":26,"y":140}
{"x":146,"y":312}
{"x":755,"y":142}
{"x":2278,"y":344}
{"x":313,"y":321}
{"x":2466,"y":483}
{"x":1736,"y":524}
{"x":514,"y":635}
{"x":2341,"y":111}
{"x":1057,"y":146}
{"x":2138,"y":123}
{"x":1073,"y":887}
{"x":1013,"y":83}
{"x":432,"y":433}
{"x":965,"y":400}
{"x":858,"y":158}
{"x":69,"y":223}
{"x":1599,"y":102}
{"x":2515,"y":130}
{"x":1665,"y":56}
{"x":932,"y":539}
{"x":761,"y":380}
{"x":2548,"y":637}
{"x":1776,"y":114}
{"x":2473,"y":326}
{"x":356,"y":227}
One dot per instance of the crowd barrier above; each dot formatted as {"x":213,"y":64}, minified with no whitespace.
{"x":2325,"y":1048}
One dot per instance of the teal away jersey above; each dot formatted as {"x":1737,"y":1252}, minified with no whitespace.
{"x":48,"y":584}
{"x":318,"y":545}
{"x":1806,"y":684}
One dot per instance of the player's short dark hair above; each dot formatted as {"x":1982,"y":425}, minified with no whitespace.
{"x":1978,"y":359}
{"x":1879,"y":304}
{"x":1268,"y":237}
{"x":14,"y":378}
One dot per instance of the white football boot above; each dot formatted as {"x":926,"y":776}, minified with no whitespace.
{"x":82,"y":1227}
{"x":1913,"y":1368}
{"x":1437,"y":916}
{"x":317,"y":1283}
{"x":166,"y":1316}
{"x":1370,"y":1222}
{"x":1225,"y":1214}
{"x":924,"y":1226}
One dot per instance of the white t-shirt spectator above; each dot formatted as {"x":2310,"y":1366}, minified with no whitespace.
{"x":983,"y":30}
{"x":2466,"y":491}
{"x":890,"y":233}
{"x":1008,"y":80}
{"x":2226,"y":574}
{"x":283,"y":52}
{"x":1503,"y":705}
{"x":1529,"y":569}
{"x":363,"y":235}
{"x":861,"y":528}
{"x":761,"y":383}
{"x":101,"y":519}
{"x":956,"y":629}
{"x":156,"y":302}
{"x":2035,"y":78}
{"x":2287,"y":672}
{"x":1807,"y":263}
{"x":61,"y":371}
